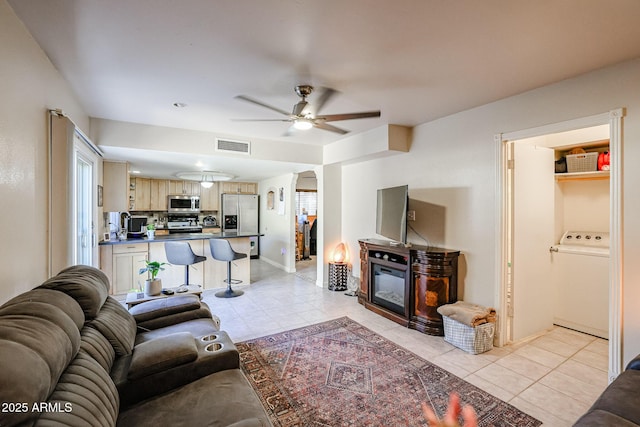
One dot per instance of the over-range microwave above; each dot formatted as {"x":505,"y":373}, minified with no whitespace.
{"x":183,"y":204}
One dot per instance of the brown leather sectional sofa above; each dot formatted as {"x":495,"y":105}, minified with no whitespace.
{"x":72,"y":355}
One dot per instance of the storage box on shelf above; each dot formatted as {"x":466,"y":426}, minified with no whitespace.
{"x":582,"y":162}
{"x":583,"y":166}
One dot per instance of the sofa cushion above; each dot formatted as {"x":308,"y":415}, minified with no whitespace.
{"x":96,"y":345}
{"x":219,"y":399}
{"x":599,"y":418}
{"x":161,"y":354}
{"x":85,"y":396}
{"x":63,"y":301}
{"x":117,"y":325}
{"x":621,"y":397}
{"x":87,"y":285}
{"x":37,"y":341}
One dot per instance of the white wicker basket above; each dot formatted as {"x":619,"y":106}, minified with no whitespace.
{"x":472,"y":340}
{"x":584,"y":162}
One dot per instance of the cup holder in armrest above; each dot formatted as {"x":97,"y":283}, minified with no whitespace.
{"x":208,"y":338}
{"x":216,"y":346}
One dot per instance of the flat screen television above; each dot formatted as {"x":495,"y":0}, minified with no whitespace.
{"x":391,"y":213}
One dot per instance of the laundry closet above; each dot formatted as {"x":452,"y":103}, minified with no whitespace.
{"x":560,"y":199}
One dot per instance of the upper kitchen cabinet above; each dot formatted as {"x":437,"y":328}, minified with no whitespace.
{"x":191,"y":188}
{"x":159,"y":193}
{"x":239,"y":188}
{"x":140,"y":194}
{"x":115,"y":177}
{"x":210,"y":198}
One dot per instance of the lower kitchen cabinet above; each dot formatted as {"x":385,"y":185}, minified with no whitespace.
{"x":121,"y":263}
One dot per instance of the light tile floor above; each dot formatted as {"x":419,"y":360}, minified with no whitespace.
{"x":554,"y":377}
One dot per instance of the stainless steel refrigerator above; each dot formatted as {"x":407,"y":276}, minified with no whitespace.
{"x":240,"y":213}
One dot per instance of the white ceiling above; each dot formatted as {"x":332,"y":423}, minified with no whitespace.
{"x":415,"y":60}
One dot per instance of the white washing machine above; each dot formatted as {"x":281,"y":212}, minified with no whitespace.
{"x":580,"y":272}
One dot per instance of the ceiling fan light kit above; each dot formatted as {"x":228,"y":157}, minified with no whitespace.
{"x":303,"y":119}
{"x":303,"y":124}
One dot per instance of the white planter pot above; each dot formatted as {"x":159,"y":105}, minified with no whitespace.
{"x":153,"y":287}
{"x":151,"y":234}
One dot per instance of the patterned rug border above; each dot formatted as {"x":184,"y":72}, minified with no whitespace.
{"x":285,"y":411}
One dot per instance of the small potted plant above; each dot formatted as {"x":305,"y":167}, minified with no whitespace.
{"x":151,"y":231}
{"x":153,"y":285}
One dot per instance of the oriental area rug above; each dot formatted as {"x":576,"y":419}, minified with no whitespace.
{"x":339,"y":373}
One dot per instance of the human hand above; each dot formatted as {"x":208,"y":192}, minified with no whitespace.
{"x":451,"y":417}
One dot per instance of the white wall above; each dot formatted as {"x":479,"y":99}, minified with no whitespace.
{"x":452,"y":168}
{"x":277,"y":246}
{"x":329,"y":231}
{"x":585,"y":205}
{"x":30,"y":86}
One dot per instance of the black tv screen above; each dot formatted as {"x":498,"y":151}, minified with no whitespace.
{"x":391,"y":213}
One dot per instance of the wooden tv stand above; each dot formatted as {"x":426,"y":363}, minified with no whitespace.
{"x":424,"y":277}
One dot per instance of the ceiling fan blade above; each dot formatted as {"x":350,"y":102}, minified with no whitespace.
{"x":348,"y":116}
{"x":262,"y":104}
{"x":299,"y":107}
{"x":260,"y":120}
{"x":325,"y":96}
{"x":325,"y":126}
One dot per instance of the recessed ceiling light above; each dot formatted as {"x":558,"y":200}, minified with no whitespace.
{"x":199,"y":164}
{"x":136,"y":172}
{"x":179,"y":104}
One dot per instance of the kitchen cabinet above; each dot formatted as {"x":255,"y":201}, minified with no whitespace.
{"x":191,"y":188}
{"x":121,"y":262}
{"x":211,"y":229}
{"x":159,"y":191}
{"x":240,"y":187}
{"x":140,"y":194}
{"x":115,"y":178}
{"x":175,"y":187}
{"x":127,"y":260}
{"x":210,"y":198}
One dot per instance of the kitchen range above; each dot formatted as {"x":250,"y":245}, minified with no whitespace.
{"x":183,"y":224}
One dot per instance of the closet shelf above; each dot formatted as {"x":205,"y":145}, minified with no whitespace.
{"x":576,"y":176}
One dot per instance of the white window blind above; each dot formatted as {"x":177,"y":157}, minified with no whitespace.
{"x":307,"y":200}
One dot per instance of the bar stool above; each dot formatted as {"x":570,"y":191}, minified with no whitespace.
{"x":221,"y":250}
{"x":180,"y":253}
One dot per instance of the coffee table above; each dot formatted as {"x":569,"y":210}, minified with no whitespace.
{"x":134,"y":298}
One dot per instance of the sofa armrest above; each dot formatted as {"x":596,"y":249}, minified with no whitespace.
{"x":169,"y":311}
{"x":162,"y":353}
{"x":164,"y":306}
{"x":634,"y":363}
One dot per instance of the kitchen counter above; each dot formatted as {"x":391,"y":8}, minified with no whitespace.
{"x":121,"y":261}
{"x":182,"y":236}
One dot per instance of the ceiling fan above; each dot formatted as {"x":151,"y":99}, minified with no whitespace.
{"x":305,"y":116}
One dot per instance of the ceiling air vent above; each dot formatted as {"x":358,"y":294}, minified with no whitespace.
{"x":230,"y":146}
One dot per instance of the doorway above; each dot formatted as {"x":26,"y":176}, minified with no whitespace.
{"x":306,"y":226}
{"x":526,"y":221}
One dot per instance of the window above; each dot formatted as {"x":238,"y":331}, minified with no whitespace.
{"x":307,"y":200}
